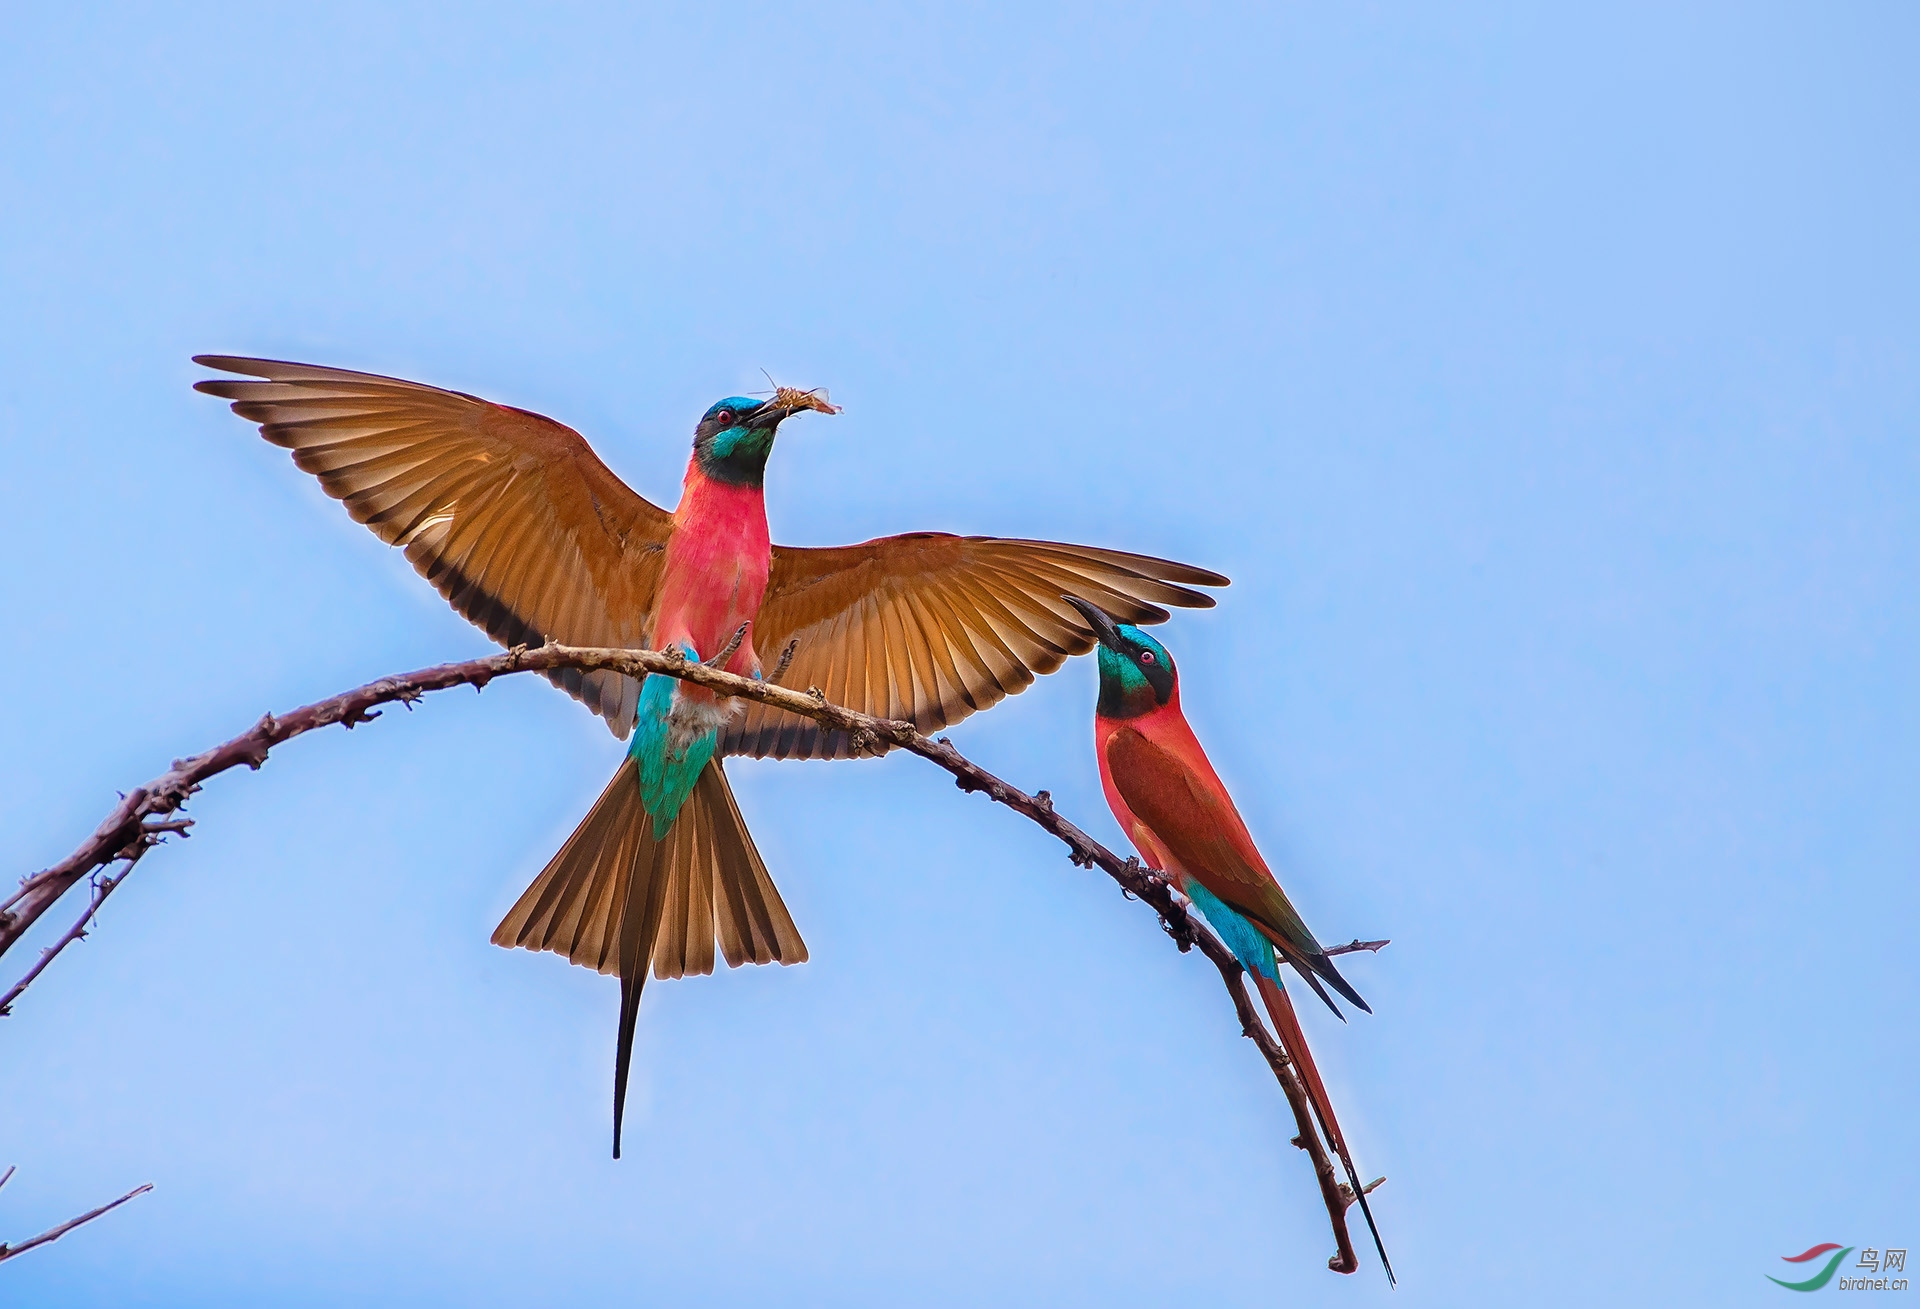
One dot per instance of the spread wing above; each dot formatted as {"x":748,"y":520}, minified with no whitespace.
{"x":510,"y":515}
{"x":1204,"y":832}
{"x":930,"y":627}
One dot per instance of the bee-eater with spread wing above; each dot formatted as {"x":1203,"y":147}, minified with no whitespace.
{"x":1172,"y":806}
{"x":519,"y":525}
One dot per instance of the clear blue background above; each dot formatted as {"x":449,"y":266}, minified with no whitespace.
{"x":1546,"y":382}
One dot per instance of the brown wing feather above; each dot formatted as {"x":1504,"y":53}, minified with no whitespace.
{"x":931,"y":627}
{"x":511,"y":516}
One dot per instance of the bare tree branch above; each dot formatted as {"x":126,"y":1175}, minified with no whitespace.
{"x":55,"y":1233}
{"x":151,"y":834}
{"x":102,"y":888}
{"x":133,"y":822}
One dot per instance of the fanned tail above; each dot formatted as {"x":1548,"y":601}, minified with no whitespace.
{"x":620,"y":895}
{"x":1287,"y":1024}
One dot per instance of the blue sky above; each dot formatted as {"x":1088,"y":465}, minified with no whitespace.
{"x":1545,"y":381}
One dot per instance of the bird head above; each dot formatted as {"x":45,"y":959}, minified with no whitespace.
{"x":733,"y":438}
{"x":1136,"y":672}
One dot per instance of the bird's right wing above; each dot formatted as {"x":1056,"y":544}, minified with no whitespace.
{"x":511,"y":516}
{"x":929,"y":627}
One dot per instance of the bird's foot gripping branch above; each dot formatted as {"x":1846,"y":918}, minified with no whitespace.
{"x":146,"y":814}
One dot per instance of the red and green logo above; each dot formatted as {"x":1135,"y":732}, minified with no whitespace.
{"x":1820,"y":1278}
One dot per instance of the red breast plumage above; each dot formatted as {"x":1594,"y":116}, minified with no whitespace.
{"x":714,"y":576}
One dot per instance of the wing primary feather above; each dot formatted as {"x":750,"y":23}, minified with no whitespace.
{"x":447,"y":476}
{"x":948,"y":693}
{"x":1146,"y":566}
{"x":897,"y":656}
{"x":986,"y":689}
{"x":1039,"y":655}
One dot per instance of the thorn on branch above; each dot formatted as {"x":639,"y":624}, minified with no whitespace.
{"x":173,"y":792}
{"x":1346,"y":1191}
{"x":254,"y":746}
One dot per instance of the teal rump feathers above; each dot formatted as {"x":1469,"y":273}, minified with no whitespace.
{"x":667,"y":774}
{"x":1254,"y":951}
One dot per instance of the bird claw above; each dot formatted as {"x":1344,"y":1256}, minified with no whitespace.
{"x":786,"y":658}
{"x":726,"y":652}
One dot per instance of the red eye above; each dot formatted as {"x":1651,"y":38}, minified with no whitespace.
{"x":724,"y":416}
{"x":1146,"y":656}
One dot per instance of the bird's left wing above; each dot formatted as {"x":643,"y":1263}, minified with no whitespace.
{"x":511,"y":516}
{"x":930,"y":627}
{"x":1200,"y":828}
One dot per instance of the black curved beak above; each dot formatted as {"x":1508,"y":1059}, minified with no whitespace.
{"x":769,"y":415}
{"x":1103,"y":629}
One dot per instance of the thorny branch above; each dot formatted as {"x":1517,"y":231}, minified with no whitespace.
{"x":146,"y":811}
{"x":55,"y":1233}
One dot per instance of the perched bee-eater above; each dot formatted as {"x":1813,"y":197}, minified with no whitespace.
{"x":1172,"y":806}
{"x":519,"y":525}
